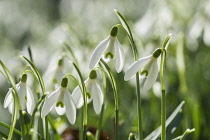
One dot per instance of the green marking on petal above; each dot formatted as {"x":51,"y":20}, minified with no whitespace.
{"x":145,"y":72}
{"x":26,"y":99}
{"x":60,"y":62}
{"x":61,"y":104}
{"x":109,"y":55}
{"x":88,"y":95}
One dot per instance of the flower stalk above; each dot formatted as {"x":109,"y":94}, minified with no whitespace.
{"x":114,"y":86}
{"x":163,"y":96}
{"x":126,"y":28}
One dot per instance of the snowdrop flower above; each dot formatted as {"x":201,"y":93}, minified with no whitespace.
{"x":62,"y":101}
{"x":148,"y":69}
{"x":54,"y":72}
{"x":25,"y":95}
{"x":109,"y":49}
{"x":93,"y":91}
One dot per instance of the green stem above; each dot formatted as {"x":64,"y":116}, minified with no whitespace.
{"x":57,"y":136}
{"x":98,"y":132}
{"x":139,"y":106}
{"x":163,"y":97}
{"x":46,"y":128}
{"x":114,"y":86}
{"x":85,"y":102}
{"x":16,"y":105}
{"x":126,"y":28}
{"x":7,"y":126}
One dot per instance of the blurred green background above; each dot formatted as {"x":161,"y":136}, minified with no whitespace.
{"x":83,"y":24}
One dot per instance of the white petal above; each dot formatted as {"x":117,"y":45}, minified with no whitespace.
{"x":97,"y":54}
{"x":98,"y":97}
{"x":60,"y":110}
{"x":8,"y":99}
{"x":22,"y":93}
{"x":70,"y":108}
{"x":78,"y":98}
{"x":11,"y":106}
{"x":152,"y":76}
{"x":119,"y":59}
{"x":50,"y":102}
{"x":30,"y":104}
{"x":135,"y":67}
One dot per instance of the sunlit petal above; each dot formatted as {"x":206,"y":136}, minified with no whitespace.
{"x":119,"y":59}
{"x":22,"y":93}
{"x":30,"y":104}
{"x":135,"y":67}
{"x":8,"y":99}
{"x":97,"y":54}
{"x":70,"y":108}
{"x":78,"y":98}
{"x":50,"y":102}
{"x":152,"y":76}
{"x":98,"y":97}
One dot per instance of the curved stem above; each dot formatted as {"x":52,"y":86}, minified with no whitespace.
{"x":85,"y":102}
{"x":135,"y":56}
{"x":98,"y":132}
{"x":163,"y":97}
{"x":114,"y":86}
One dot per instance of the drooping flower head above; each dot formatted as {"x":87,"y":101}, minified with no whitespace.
{"x":25,"y":96}
{"x":93,"y":92}
{"x":148,"y":69}
{"x":62,"y":101}
{"x":109,"y":49}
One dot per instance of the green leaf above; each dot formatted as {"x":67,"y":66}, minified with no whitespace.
{"x":39,"y":77}
{"x":123,"y":22}
{"x":172,"y":127}
{"x":157,"y":132}
{"x":7,"y":126}
{"x":90,"y":136}
{"x":3,"y":135}
{"x":185,"y":135}
{"x":167,"y":41}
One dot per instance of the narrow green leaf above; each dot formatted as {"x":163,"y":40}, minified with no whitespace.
{"x":185,"y":135}
{"x":157,"y":132}
{"x":167,"y":41}
{"x":123,"y":22}
{"x":7,"y":126}
{"x":39,"y":77}
{"x":30,"y":53}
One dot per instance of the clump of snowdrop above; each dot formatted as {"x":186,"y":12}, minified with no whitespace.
{"x":93,"y":91}
{"x":25,"y":95}
{"x":148,"y":68}
{"x":109,"y":49}
{"x":62,"y":101}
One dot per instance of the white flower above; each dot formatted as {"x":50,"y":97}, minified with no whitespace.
{"x":25,"y":95}
{"x":93,"y":91}
{"x":62,"y":101}
{"x":148,"y":69}
{"x":108,"y":49}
